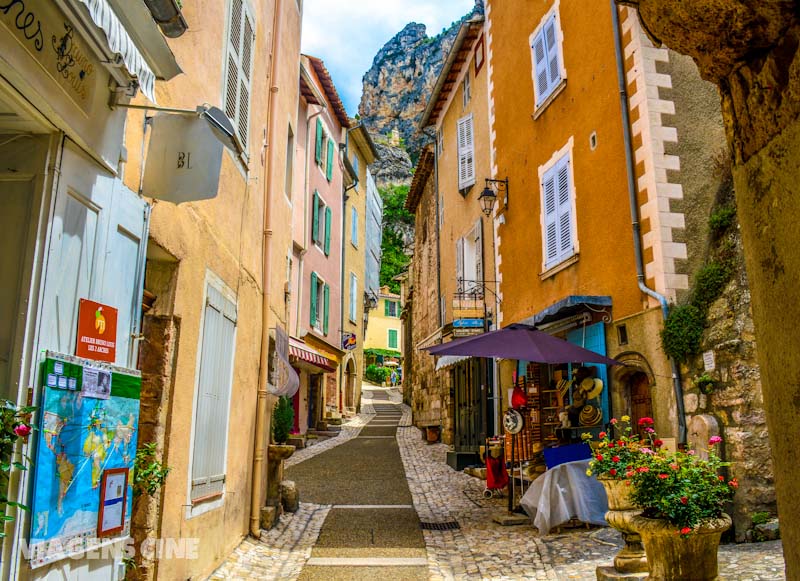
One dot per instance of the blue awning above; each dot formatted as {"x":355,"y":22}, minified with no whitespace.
{"x":570,"y":305}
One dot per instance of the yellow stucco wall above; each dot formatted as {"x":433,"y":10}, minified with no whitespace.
{"x":222,"y":236}
{"x":379,"y":325}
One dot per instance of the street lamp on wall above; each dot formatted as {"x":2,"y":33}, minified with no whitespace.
{"x":488,"y":196}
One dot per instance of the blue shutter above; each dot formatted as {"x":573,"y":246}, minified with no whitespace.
{"x":315,"y":218}
{"x":540,"y":67}
{"x":565,"y":245}
{"x":354,"y":226}
{"x":313,"y":305}
{"x":551,"y":46}
{"x":326,"y":299}
{"x":318,"y":147}
{"x":329,"y":165}
{"x":550,"y":211}
{"x":328,"y":215}
{"x":593,"y":338}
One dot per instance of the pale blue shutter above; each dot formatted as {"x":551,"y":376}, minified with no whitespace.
{"x":353,"y":296}
{"x":550,"y":218}
{"x":354,"y":226}
{"x":315,"y":218}
{"x":551,"y":46}
{"x":540,"y":67}
{"x":313,"y":305}
{"x":328,"y":216}
{"x":326,"y":300}
{"x":565,"y":246}
{"x":593,"y":338}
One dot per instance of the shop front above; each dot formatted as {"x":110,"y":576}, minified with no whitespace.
{"x":74,"y":239}
{"x":315,"y":371}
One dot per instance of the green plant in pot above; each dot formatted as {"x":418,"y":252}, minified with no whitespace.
{"x":705,"y":383}
{"x":682,"y":497}
{"x":15,"y":427}
{"x":282,"y":420}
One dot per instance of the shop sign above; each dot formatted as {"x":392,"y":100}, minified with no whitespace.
{"x":349,"y":341}
{"x":97,"y":331}
{"x":467,"y":327}
{"x":48,"y":37}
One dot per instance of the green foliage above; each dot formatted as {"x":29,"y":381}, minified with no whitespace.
{"x":377,"y":374}
{"x":705,"y":383}
{"x":721,"y":219}
{"x":617,"y":449}
{"x":398,"y":226}
{"x":15,"y":425}
{"x":282,"y":420}
{"x":381,"y":352}
{"x":759,"y":518}
{"x":682,"y":332}
{"x":709,"y":284}
{"x":149,"y":473}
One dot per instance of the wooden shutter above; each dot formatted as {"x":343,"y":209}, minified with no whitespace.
{"x":466,"y":153}
{"x":329,"y":164}
{"x":565,"y":246}
{"x":326,"y":299}
{"x":239,"y":64}
{"x":213,"y":395}
{"x":313,"y":305}
{"x":353,"y":293}
{"x":460,"y":265}
{"x":354,"y":226}
{"x":392,"y":338}
{"x":550,"y":218}
{"x":551,"y":47}
{"x":315,"y":218}
{"x":318,"y":146}
{"x":328,"y":216}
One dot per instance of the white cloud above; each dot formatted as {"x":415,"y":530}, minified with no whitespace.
{"x":346,"y":34}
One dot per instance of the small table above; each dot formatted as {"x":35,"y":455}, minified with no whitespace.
{"x":564,"y":492}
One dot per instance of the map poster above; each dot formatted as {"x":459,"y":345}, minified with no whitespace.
{"x":80,"y":439}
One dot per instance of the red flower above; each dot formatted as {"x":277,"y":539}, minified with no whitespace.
{"x":611,"y":445}
{"x":613,"y":472}
{"x":733,"y":483}
{"x":658,"y":443}
{"x":22,"y":430}
{"x":714,"y":440}
{"x":601,"y":435}
{"x":686,"y":530}
{"x":599,"y":457}
{"x":674,"y":466}
{"x":663,"y":476}
{"x":646,"y":422}
{"x":721,"y":478}
{"x":643,"y":469}
{"x":615,"y":458}
{"x":613,"y":421}
{"x":684,"y":500}
{"x":630,"y":473}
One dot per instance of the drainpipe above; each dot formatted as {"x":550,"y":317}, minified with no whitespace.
{"x":343,"y":262}
{"x":637,"y":241}
{"x":261,"y":433}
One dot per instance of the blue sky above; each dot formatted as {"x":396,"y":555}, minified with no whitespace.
{"x":346,"y":34}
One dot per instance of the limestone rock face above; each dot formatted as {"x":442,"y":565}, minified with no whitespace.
{"x":393,"y":167}
{"x":402,"y":76}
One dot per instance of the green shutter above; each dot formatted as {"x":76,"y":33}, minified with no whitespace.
{"x":313,"y":309}
{"x":328,"y":215}
{"x":318,"y":148}
{"x":315,"y":218}
{"x":392,"y":339}
{"x":326,"y":299}
{"x":386,"y":307}
{"x":329,"y":166}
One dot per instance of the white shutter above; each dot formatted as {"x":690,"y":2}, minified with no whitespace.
{"x":551,"y":46}
{"x":550,"y":210}
{"x":466,"y":152}
{"x":565,"y":246}
{"x":238,"y":83}
{"x":213,"y":395}
{"x":540,"y":67}
{"x":460,"y":265}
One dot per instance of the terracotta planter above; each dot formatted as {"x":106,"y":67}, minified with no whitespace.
{"x":671,"y":557}
{"x":432,"y":434}
{"x":632,"y":558}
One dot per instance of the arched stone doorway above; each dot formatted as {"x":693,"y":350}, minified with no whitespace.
{"x":350,"y":386}
{"x":634,"y":381}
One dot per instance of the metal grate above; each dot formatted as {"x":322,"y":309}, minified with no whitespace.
{"x":439,"y":526}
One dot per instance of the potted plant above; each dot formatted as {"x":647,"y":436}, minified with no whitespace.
{"x":682,"y":498}
{"x":617,"y":453}
{"x":15,"y":426}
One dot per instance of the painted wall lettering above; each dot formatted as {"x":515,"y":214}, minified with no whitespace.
{"x":24,"y":22}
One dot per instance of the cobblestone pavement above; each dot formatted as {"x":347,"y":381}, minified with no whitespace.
{"x":480,"y":548}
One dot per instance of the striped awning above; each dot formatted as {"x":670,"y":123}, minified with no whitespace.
{"x":303,"y":352}
{"x":446,"y":361}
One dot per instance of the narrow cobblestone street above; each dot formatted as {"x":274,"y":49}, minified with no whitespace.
{"x":360,"y":519}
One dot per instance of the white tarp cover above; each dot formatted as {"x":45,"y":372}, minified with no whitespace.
{"x":564,"y":492}
{"x":121,"y":43}
{"x":450,"y":360}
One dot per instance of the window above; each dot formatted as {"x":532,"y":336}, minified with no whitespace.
{"x":557,"y":197}
{"x":287,"y":185}
{"x":321,"y":224}
{"x":213,"y":395}
{"x":479,"y":56}
{"x":320,"y":303}
{"x":353,"y":297}
{"x":466,"y":93}
{"x":390,"y":308}
{"x":329,"y":162}
{"x":354,"y":226}
{"x":546,"y":58}
{"x":239,"y":68}
{"x":469,"y":261}
{"x":355,"y":168}
{"x":324,"y":150}
{"x":392,"y":338}
{"x":466,"y":153}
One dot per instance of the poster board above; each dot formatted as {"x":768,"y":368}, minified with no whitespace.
{"x":84,"y":433}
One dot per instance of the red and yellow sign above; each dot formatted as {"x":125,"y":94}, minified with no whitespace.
{"x":97,"y":331}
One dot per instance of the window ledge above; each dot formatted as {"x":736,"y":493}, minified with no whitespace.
{"x":566,"y":263}
{"x":550,"y":98}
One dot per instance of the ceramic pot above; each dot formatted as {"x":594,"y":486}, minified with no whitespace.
{"x":671,"y":557}
{"x":632,"y":558}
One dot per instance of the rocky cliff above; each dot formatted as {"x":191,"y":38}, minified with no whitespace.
{"x":393,"y":167}
{"x":402,"y":76}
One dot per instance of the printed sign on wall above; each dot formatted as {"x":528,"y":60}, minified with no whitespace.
{"x":97,"y":331}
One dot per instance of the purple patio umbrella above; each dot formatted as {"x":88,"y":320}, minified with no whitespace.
{"x":521,"y":342}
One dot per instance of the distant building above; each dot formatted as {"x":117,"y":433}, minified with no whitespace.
{"x":385,"y":329}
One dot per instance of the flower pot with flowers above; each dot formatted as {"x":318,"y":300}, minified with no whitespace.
{"x":15,"y":427}
{"x":615,"y":455}
{"x":682,"y":498}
